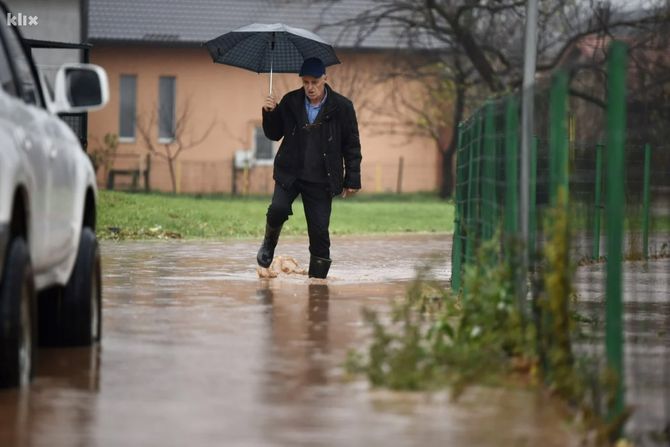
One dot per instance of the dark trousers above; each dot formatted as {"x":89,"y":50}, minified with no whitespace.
{"x":316,"y":201}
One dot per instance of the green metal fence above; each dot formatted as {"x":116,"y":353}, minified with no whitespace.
{"x":611,"y":171}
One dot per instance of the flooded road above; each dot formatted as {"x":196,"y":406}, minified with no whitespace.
{"x":197,"y":351}
{"x":646,"y":320}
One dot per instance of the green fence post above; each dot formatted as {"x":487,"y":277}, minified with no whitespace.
{"x":456,"y":248}
{"x":471,"y":227}
{"x":645,"y":201}
{"x":511,"y":166}
{"x":488,"y":176}
{"x":616,"y":137}
{"x":532,"y":199}
{"x":597,"y":204}
{"x":558,"y":135}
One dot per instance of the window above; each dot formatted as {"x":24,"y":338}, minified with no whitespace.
{"x":28,"y":84}
{"x":166,"y":109}
{"x":127,"y":108}
{"x":263,"y":147}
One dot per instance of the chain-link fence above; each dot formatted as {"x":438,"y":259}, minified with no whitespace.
{"x":604,"y":168}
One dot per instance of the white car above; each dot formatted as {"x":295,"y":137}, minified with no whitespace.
{"x":50,"y":288}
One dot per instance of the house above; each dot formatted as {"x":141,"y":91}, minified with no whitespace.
{"x":165,"y":87}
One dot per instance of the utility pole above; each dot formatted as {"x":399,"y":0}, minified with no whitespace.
{"x":527,"y":99}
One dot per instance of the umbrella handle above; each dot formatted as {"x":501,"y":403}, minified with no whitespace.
{"x":272,"y":58}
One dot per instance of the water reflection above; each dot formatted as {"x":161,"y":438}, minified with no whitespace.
{"x":198,"y":351}
{"x":77,"y":368}
{"x":317,"y":316}
{"x":53,"y":402}
{"x":298,"y":340}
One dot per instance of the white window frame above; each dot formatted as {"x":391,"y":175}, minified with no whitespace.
{"x":168,"y":140}
{"x":128,"y":138}
{"x":275,"y":146}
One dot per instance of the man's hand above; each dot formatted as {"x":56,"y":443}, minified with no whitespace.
{"x":348,"y":192}
{"x":270,"y":103}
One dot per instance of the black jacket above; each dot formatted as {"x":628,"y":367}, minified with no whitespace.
{"x":338,"y":133}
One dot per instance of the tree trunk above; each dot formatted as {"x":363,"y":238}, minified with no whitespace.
{"x":448,"y":158}
{"x":172,"y":175}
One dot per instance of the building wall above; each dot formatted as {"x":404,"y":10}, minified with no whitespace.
{"x":229,"y":100}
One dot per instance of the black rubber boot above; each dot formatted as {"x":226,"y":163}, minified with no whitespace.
{"x":318,"y":267}
{"x":267,"y":251}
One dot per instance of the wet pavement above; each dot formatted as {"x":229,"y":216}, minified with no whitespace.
{"x":197,"y":351}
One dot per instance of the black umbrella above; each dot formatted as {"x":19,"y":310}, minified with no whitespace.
{"x":268,"y":48}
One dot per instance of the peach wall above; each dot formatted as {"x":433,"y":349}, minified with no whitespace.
{"x":230,"y":99}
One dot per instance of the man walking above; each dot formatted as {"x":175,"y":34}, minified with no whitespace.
{"x":319,"y":158}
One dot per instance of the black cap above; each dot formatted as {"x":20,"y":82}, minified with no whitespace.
{"x":312,"y":67}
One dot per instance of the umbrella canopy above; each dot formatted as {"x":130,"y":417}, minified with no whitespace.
{"x":270,"y":48}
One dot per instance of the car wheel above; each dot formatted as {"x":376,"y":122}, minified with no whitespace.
{"x":80,"y":309}
{"x":18,"y":337}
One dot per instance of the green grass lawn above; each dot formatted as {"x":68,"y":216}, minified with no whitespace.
{"x":146,"y":216}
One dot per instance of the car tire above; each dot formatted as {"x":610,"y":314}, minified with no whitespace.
{"x":18,"y":329}
{"x":72,"y":318}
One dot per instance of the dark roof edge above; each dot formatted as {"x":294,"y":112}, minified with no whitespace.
{"x":37,"y":43}
{"x":196,"y":44}
{"x":150,"y":43}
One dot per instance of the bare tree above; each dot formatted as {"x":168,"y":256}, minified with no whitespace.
{"x":479,"y":44}
{"x":182,"y":140}
{"x":424,"y":100}
{"x":357,"y":85}
{"x":103,"y":152}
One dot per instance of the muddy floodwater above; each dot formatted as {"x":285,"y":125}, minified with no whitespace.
{"x":197,"y":351}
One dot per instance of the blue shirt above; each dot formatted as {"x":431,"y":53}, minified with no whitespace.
{"x":313,"y":111}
